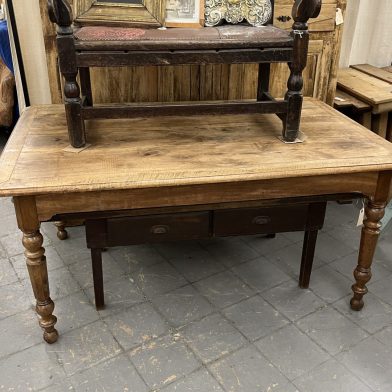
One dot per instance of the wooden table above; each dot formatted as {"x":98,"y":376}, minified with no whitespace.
{"x":373,"y":86}
{"x":191,"y":164}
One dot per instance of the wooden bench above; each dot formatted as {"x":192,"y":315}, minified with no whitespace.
{"x":371,"y":85}
{"x":80,"y":48}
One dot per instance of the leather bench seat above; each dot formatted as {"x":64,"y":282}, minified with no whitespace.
{"x":222,"y":37}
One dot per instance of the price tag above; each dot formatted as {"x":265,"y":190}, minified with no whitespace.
{"x":339,"y":17}
{"x":361,"y":216}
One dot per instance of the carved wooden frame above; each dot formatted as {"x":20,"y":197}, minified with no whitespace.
{"x":150,"y":13}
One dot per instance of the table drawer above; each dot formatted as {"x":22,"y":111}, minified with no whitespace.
{"x":157,"y":228}
{"x":260,"y":220}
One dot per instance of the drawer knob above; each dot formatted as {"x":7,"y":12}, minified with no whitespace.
{"x":283,"y":18}
{"x":261,"y":220}
{"x":160,"y":229}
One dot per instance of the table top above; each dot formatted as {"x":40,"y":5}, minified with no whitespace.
{"x":175,"y":151}
{"x":364,"y":86}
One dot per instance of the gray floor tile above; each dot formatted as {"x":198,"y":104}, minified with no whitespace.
{"x":329,"y":284}
{"x":7,"y":273}
{"x":197,"y":265}
{"x":260,"y":274}
{"x":255,"y":318}
{"x":370,"y":361}
{"x":3,"y":253}
{"x":83,"y":274}
{"x":288,"y":259}
{"x":295,"y":236}
{"x":132,"y":258}
{"x":120,"y":294}
{"x":265,"y":246}
{"x":62,"y":283}
{"x":375,"y":315}
{"x":82,"y":348}
{"x":19,"y":332}
{"x":337,"y":214}
{"x":347,"y":264}
{"x":53,"y":261}
{"x":117,"y":374}
{"x":8,"y":225}
{"x":385,"y":336}
{"x":200,"y":381}
{"x":13,"y":299}
{"x":61,"y":385}
{"x":224,"y":289}
{"x":331,"y":376}
{"x":7,"y":206}
{"x":178,"y":250}
{"x":382,"y":288}
{"x":136,"y":325}
{"x":291,"y":351}
{"x":230,"y":251}
{"x":247,"y":371}
{"x":293,"y":301}
{"x":384,"y":249}
{"x":158,"y":279}
{"x":182,"y":305}
{"x":329,"y":248}
{"x":163,"y":361}
{"x":331,"y":330}
{"x":30,"y":370}
{"x":348,"y":233}
{"x":72,"y":250}
{"x":212,"y":337}
{"x":74,"y":311}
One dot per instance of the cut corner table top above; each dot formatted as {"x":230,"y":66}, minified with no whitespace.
{"x":176,"y":151}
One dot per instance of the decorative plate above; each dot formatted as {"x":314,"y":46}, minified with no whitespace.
{"x":256,"y":12}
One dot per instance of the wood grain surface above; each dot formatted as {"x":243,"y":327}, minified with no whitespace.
{"x":171,"y":151}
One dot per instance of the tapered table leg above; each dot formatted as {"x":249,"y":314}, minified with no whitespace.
{"x":36,"y":264}
{"x":375,"y":210}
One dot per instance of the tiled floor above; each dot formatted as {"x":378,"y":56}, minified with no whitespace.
{"x":221,"y":315}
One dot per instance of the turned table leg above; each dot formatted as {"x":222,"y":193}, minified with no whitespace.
{"x":28,"y":223}
{"x":374,"y":211}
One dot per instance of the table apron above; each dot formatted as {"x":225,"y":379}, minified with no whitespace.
{"x":49,"y":205}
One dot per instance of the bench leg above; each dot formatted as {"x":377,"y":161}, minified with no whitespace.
{"x":96,"y":258}
{"x":85,"y":85}
{"x":307,"y":258}
{"x":73,"y":110}
{"x":263,"y":82}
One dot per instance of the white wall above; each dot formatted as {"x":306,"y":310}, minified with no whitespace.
{"x":28,"y":21}
{"x":367,"y":34}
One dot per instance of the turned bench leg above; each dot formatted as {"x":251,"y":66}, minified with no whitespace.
{"x":29,"y":224}
{"x":96,"y":258}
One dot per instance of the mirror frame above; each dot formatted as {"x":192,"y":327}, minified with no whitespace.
{"x":90,"y":12}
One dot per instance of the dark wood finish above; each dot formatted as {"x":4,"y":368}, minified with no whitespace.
{"x":303,"y":10}
{"x":156,"y":228}
{"x":80,"y":50}
{"x":374,"y":211}
{"x":107,"y":232}
{"x":260,"y":220}
{"x":96,"y":260}
{"x":184,"y":109}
